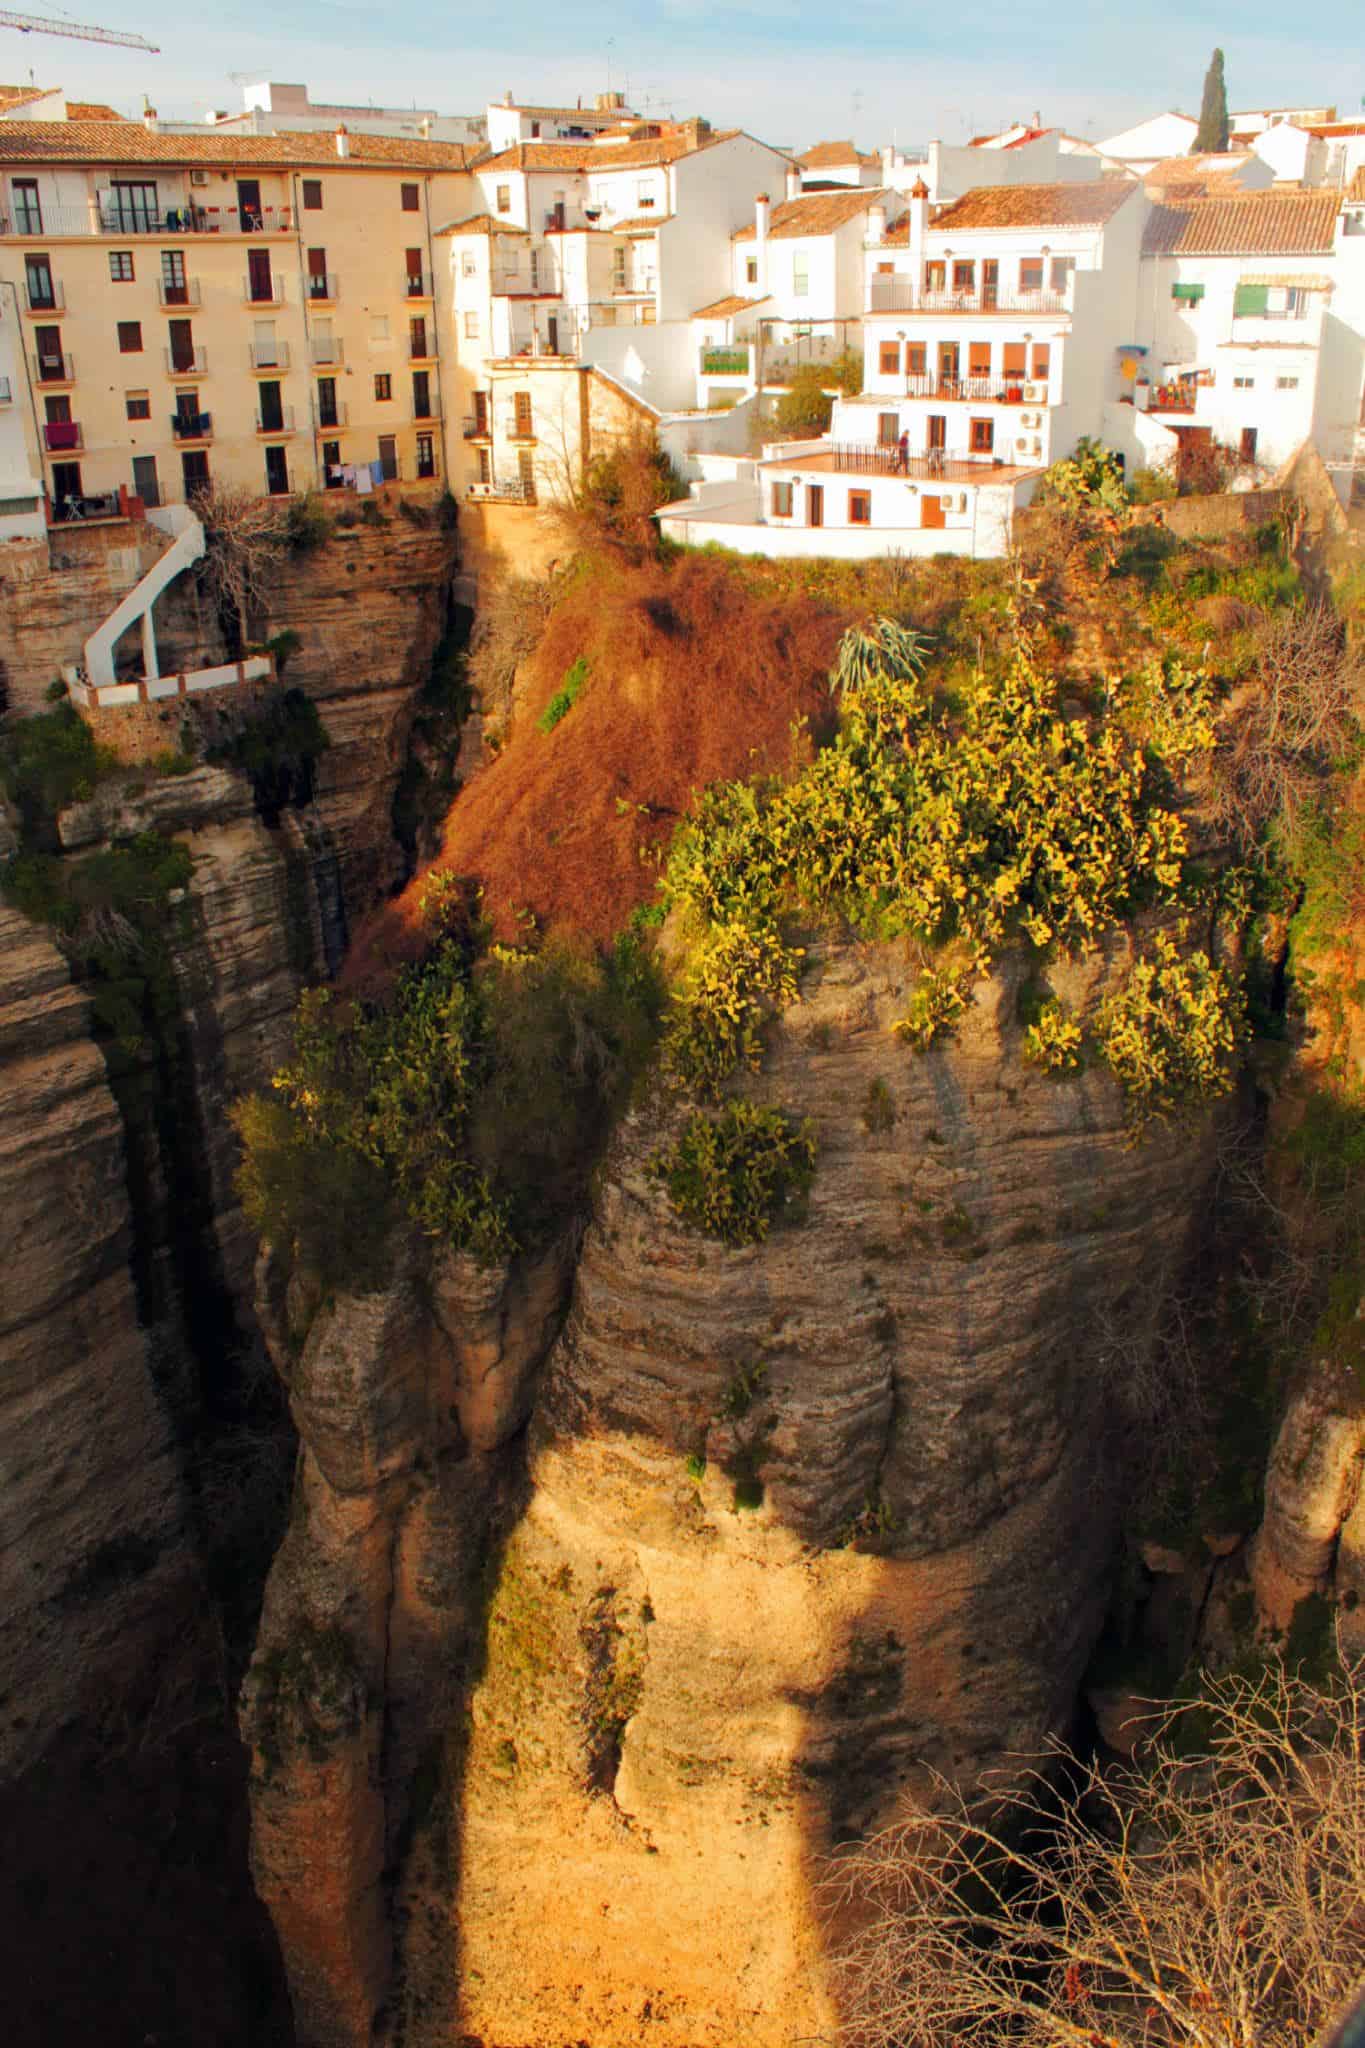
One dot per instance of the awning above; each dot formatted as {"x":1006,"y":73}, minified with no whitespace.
{"x":1312,"y":282}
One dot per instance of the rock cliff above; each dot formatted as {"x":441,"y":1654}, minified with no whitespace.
{"x":558,"y":1756}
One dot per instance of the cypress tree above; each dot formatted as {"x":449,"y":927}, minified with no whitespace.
{"x":1213,"y":113}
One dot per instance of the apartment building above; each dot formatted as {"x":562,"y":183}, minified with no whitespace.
{"x":272,"y":106}
{"x":1252,"y":311}
{"x":994,"y":336}
{"x":508,"y":122}
{"x":22,"y":513}
{"x":255,"y":310}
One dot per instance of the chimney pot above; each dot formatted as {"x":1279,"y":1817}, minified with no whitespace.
{"x":793,"y":182}
{"x":343,"y":140}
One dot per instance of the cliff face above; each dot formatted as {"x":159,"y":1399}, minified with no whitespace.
{"x":651,"y":1696}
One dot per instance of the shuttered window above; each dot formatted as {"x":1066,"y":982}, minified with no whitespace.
{"x":1250,"y":299}
{"x":1190,"y":293}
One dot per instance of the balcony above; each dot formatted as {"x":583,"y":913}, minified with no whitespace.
{"x":46,"y":297}
{"x":282,"y":423}
{"x":263,"y":291}
{"x":55,"y":369}
{"x":640,"y":286}
{"x":101,"y":219}
{"x":1009,"y":390}
{"x":325,"y":349}
{"x":6,"y":393}
{"x":268,"y":357}
{"x":898,"y":295}
{"x":426,"y":353}
{"x":186,"y":293}
{"x":322,"y":288}
{"x":1179,"y":397}
{"x":725,"y":362}
{"x":192,"y":426}
{"x":523,"y":284}
{"x":866,"y":459}
{"x":187,"y":362}
{"x":61,"y":437}
{"x":510,"y":490}
{"x":431,"y":415}
{"x":417,"y":284}
{"x":332,"y":418}
{"x":477,"y":430}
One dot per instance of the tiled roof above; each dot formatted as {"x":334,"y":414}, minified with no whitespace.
{"x":1029,"y":135}
{"x":638,"y":224}
{"x":480,"y":224}
{"x":1198,"y":177}
{"x":724,"y":309}
{"x":1037,"y":206}
{"x":599,"y":156}
{"x":610,"y":115}
{"x":816,"y":213}
{"x":1334,"y":130}
{"x":128,"y":142}
{"x":822,"y":153}
{"x":91,"y":110}
{"x":1356,"y":188}
{"x":1256,"y":224}
{"x":23,"y":95}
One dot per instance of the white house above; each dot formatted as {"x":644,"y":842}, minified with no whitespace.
{"x":22,"y":504}
{"x":507,"y":121}
{"x":838,"y":163}
{"x":1252,"y":311}
{"x":1141,"y":148}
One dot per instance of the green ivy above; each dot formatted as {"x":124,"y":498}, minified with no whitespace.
{"x":730,"y":1175}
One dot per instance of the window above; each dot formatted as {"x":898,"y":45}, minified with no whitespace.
{"x":979,"y":359}
{"x":982,"y":437}
{"x":964,"y":276}
{"x":133,"y":205}
{"x":1031,"y":274}
{"x":121,"y":266}
{"x":644,"y":195}
{"x":411,"y":198}
{"x":618,"y":268}
{"x":888,"y":429}
{"x":383,"y":386}
{"x":860,"y":508}
{"x":504,"y":199}
{"x":1013,"y":361}
{"x":421,"y":395}
{"x":175,"y":290}
{"x":782,"y":500}
{"x":1042,"y":359}
{"x":276,"y":472}
{"x":751,"y":270}
{"x":1189,"y":294}
{"x":28,"y":214}
{"x":138,"y":404}
{"x":522,"y":427}
{"x":471,"y":326}
{"x":331,"y":463}
{"x":379,"y":327}
{"x":426,"y":455}
{"x":468,"y":266}
{"x":1062,"y":268}
{"x":328,"y":413}
{"x":535,"y":131}
{"x":130,"y":337}
{"x":916,"y":358}
{"x":312,"y":195}
{"x":934,"y":276}
{"x":1250,"y":300}
{"x":417,"y":339}
{"x":1244,"y":383}
{"x":1286,"y":383}
{"x":42,"y":292}
{"x":318,"y":287}
{"x":800,"y":277}
{"x":388,"y":457}
{"x":889,"y":358}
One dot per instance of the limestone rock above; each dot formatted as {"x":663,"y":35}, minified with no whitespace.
{"x":1311,"y":1489}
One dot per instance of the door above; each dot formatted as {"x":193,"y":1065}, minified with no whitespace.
{"x":552,"y":330}
{"x":186,"y":422}
{"x":145,"y":483}
{"x":276,"y":472}
{"x":249,"y":204}
{"x":936,"y":436}
{"x":327,"y":402}
{"x":1246,"y":451}
{"x":28,"y":212}
{"x":42,"y":293}
{"x":264,"y":348}
{"x":317,"y":274}
{"x":48,"y":342}
{"x":480,"y":412}
{"x":426,"y":456}
{"x":526,"y":470}
{"x":194,"y":471}
{"x":990,"y":283}
{"x":888,"y":429}
{"x":60,"y":430}
{"x":180,"y":335}
{"x":272,"y":411}
{"x":417,"y":339}
{"x":331,"y":463}
{"x":421,"y":394}
{"x":815,"y":505}
{"x":259,"y":282}
{"x":388,"y":458}
{"x":134,"y":206}
{"x":66,"y":488}
{"x":412,"y":262}
{"x":175,"y":290}
{"x":931,"y":511}
{"x":947,"y":366}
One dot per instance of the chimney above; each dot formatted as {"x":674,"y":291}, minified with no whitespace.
{"x":507,"y":99}
{"x":919,"y":221}
{"x":150,"y":121}
{"x":876,"y":223}
{"x":424,"y":127}
{"x":793,"y":182}
{"x":761,"y":239}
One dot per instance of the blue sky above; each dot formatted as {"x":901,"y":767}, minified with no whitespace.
{"x":791,"y":73}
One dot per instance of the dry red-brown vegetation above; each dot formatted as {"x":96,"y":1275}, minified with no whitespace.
{"x":694,"y":674}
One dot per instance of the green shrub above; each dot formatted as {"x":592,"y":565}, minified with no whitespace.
{"x":308,"y":522}
{"x":736,"y":977}
{"x":1091,"y":475}
{"x":1170,"y":1034}
{"x":1151,"y":486}
{"x":566,"y":696}
{"x":48,"y":762}
{"x":730,"y":1175}
{"x":277,"y":744}
{"x":1053,"y":1040}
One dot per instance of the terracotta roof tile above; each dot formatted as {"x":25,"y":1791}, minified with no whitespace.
{"x":91,"y":110}
{"x":822,"y":153}
{"x":1037,"y":206}
{"x":1198,"y":177}
{"x":480,"y":224}
{"x":599,"y":156}
{"x":724,"y":309}
{"x":128,"y":142}
{"x":817,"y":213}
{"x":1356,"y":188}
{"x":1256,"y":224}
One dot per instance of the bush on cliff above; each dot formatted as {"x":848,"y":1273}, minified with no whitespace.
{"x":48,"y":762}
{"x":731,"y":1175}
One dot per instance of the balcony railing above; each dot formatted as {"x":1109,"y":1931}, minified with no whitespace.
{"x":282,"y":423}
{"x":416,"y":284}
{"x":323,"y":289}
{"x":635,"y":286}
{"x":71,"y":509}
{"x":268,"y":356}
{"x":120,"y":224}
{"x":431,"y":411}
{"x":426,"y":353}
{"x":263,"y":291}
{"x":476,"y":429}
{"x":725,"y":362}
{"x":514,"y":490}
{"x":323,"y":350}
{"x":6,"y":393}
{"x":976,"y":390}
{"x":192,"y":426}
{"x":333,"y":418}
{"x":60,"y":436}
{"x":898,"y":295}
{"x":857,"y":459}
{"x":45,"y":297}
{"x":189,"y":362}
{"x":55,"y":369}
{"x":186,"y":293}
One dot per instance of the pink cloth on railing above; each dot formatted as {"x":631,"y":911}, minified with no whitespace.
{"x":62,"y":434}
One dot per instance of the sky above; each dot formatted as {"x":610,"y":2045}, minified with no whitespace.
{"x":788,"y":71}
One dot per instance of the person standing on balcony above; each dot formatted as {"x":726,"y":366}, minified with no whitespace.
{"x":903,"y":453}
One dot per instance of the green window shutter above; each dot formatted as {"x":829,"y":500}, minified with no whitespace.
{"x":1191,"y":293}
{"x":1251,"y":298}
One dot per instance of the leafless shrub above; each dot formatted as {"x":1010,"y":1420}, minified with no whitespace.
{"x":246,"y":539}
{"x":1276,"y":751}
{"x":1212,"y":1895}
{"x":511,"y":617}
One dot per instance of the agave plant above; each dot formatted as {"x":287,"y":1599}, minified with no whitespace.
{"x":883,"y":651}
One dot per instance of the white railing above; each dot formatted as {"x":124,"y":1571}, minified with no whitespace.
{"x":53,"y":302}
{"x":268,"y":355}
{"x":263,"y":292}
{"x":55,"y":369}
{"x":195,"y":363}
{"x":324,"y":351}
{"x":186,"y":293}
{"x":284,"y":424}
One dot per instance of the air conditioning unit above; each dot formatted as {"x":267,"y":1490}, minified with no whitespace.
{"x":1035,"y":394}
{"x":199,"y":177}
{"x":962,"y":501}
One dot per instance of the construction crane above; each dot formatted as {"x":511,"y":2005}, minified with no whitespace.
{"x":39,"y":24}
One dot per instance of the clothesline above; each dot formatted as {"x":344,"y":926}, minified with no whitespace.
{"x":361,"y":477}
